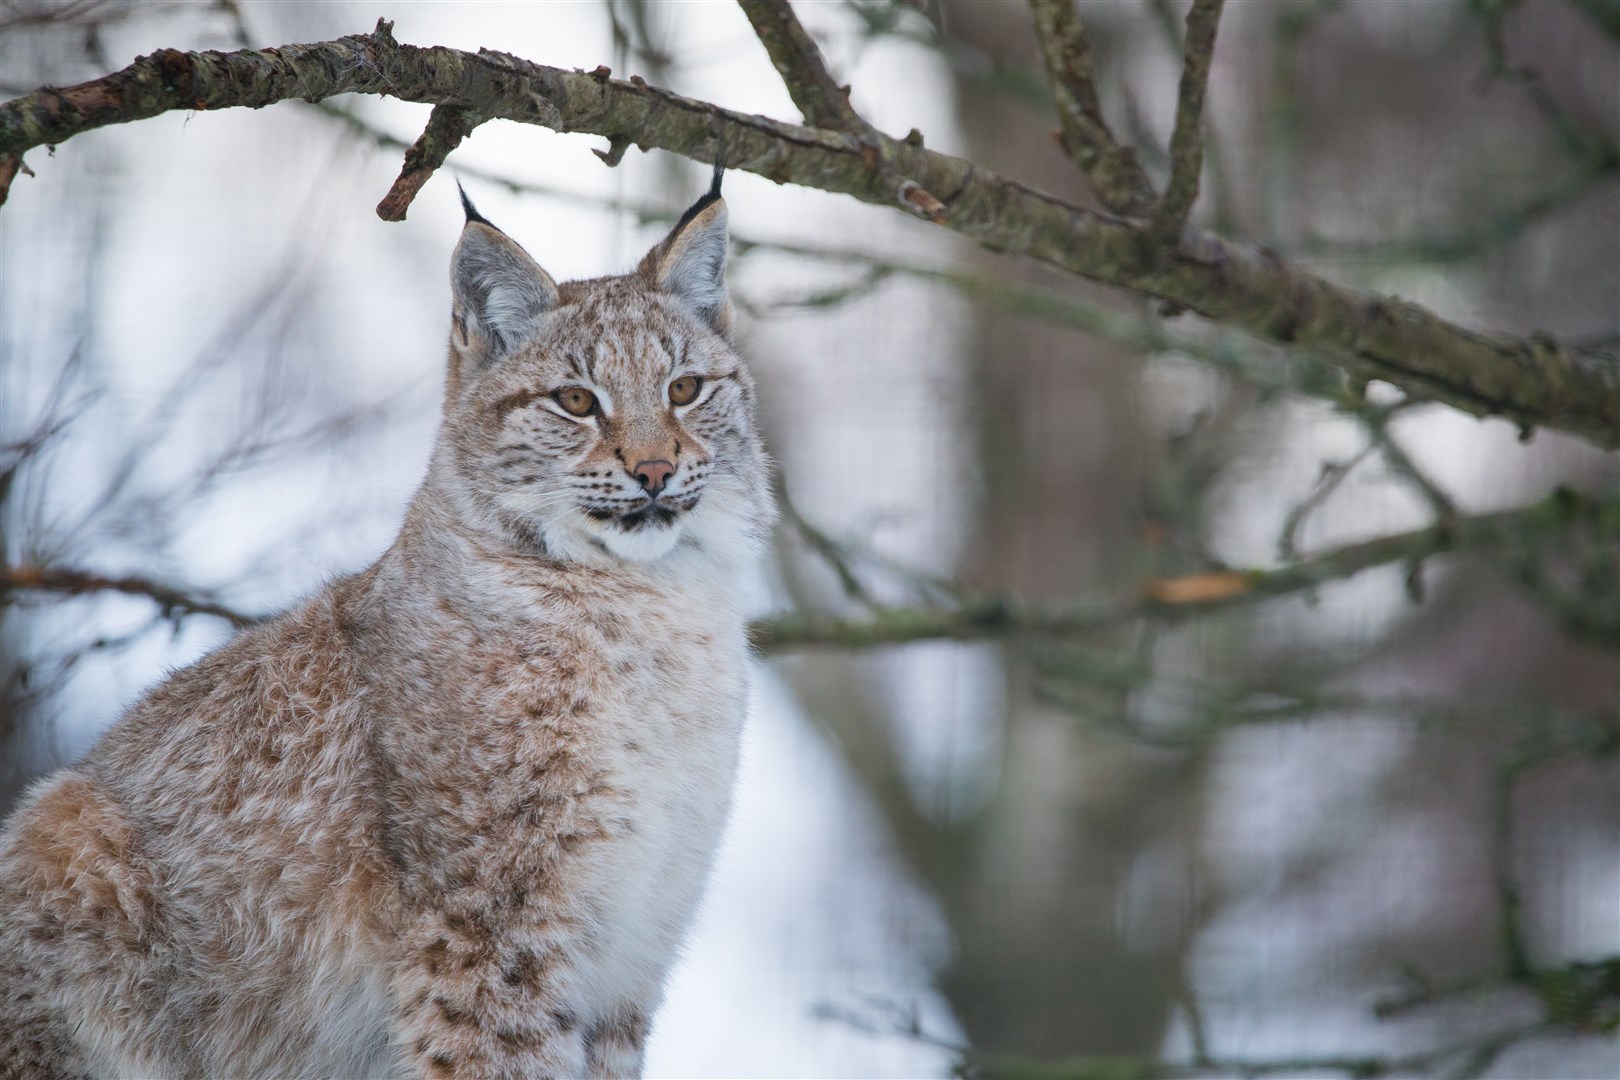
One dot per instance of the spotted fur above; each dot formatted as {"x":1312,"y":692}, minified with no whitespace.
{"x":451,"y":816}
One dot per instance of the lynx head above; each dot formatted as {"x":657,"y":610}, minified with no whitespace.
{"x":608,"y":419}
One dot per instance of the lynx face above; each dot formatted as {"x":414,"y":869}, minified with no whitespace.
{"x":610,"y":418}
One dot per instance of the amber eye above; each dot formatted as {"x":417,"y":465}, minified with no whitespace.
{"x":576,"y":400}
{"x":684,"y":389}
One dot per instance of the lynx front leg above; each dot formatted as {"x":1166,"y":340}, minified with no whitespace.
{"x":616,"y":1048}
{"x":474,"y":1002}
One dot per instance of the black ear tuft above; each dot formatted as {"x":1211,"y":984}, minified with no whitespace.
{"x":472,"y":211}
{"x":708,"y":198}
{"x":690,"y":263}
{"x":719,"y":169}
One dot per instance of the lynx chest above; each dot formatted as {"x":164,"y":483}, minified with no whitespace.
{"x":586,"y":763}
{"x":656,"y":731}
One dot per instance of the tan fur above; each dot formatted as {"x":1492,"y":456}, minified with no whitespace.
{"x":452,"y":815}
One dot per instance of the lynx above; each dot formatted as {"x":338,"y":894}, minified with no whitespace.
{"x":452,"y":815}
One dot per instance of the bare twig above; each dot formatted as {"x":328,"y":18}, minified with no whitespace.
{"x":1113,"y":171}
{"x":73,"y":582}
{"x":1187,"y":141}
{"x":1333,"y":474}
{"x":1574,"y":143}
{"x":1377,"y":424}
{"x":830,"y":550}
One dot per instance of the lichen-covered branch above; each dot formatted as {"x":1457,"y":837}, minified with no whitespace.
{"x":1187,"y":140}
{"x":1113,"y":171}
{"x":1533,"y":381}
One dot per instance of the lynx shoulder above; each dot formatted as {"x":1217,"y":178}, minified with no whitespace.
{"x":451,"y":816}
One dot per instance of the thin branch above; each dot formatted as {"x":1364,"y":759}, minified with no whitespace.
{"x":1187,"y":141}
{"x":1112,"y":170}
{"x":1174,"y":599}
{"x":1570,"y":138}
{"x":447,"y":125}
{"x":1173,"y":31}
{"x":1581,"y":995}
{"x":831,"y":551}
{"x":1531,"y":381}
{"x":976,"y":1062}
{"x":73,"y":582}
{"x":821,"y":101}
{"x":1377,"y":424}
{"x":1333,"y":474}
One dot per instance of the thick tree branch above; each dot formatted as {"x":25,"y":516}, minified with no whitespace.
{"x":1533,"y":382}
{"x":821,"y":101}
{"x":1187,"y":140}
{"x":1113,"y":171}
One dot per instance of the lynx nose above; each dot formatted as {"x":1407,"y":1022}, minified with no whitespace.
{"x":652,"y":475}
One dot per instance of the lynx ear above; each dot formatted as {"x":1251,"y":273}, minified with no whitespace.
{"x":690,"y":263}
{"x":498,"y":292}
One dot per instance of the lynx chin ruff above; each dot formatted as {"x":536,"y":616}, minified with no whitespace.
{"x":450,"y":817}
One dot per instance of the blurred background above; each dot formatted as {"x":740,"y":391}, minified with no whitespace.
{"x":1369,"y":827}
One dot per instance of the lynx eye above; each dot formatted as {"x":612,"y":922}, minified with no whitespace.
{"x":576,"y":400}
{"x":684,"y":389}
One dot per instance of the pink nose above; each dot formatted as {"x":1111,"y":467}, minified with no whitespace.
{"x":652,"y":475}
